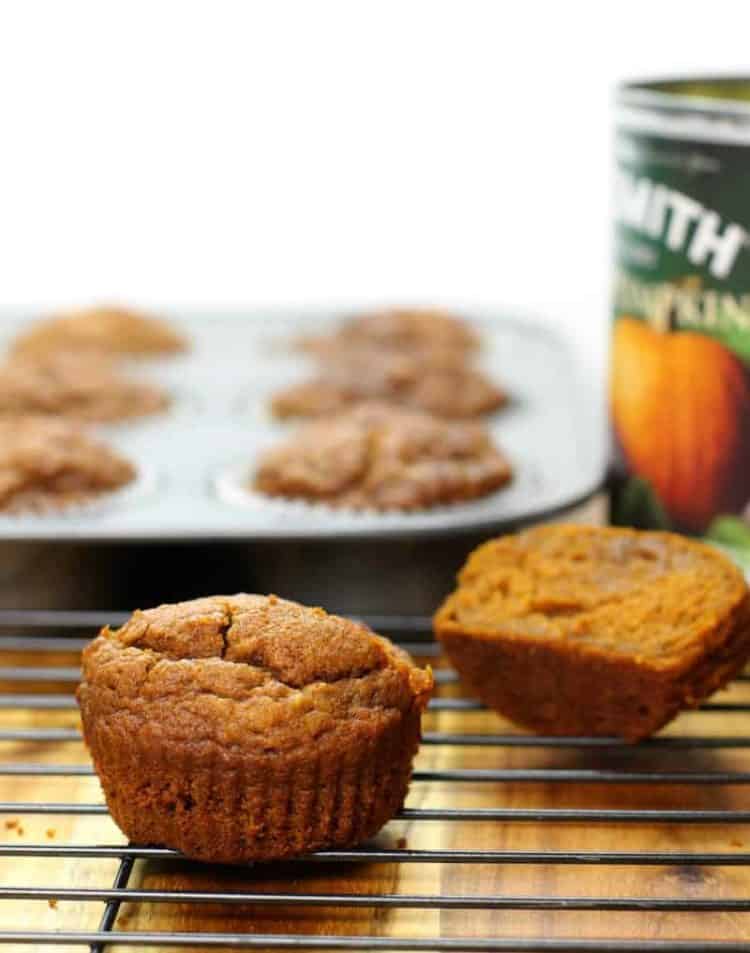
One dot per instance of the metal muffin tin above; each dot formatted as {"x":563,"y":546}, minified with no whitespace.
{"x":193,"y":459}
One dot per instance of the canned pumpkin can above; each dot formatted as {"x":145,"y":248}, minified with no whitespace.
{"x":680,"y":356}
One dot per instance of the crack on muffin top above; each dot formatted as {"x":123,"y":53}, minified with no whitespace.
{"x":248,"y":671}
{"x":293,"y":644}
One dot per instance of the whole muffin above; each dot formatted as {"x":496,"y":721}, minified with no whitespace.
{"x":400,"y":329}
{"x":48,"y":463}
{"x":246,"y":727}
{"x":377,"y":456}
{"x":82,"y":386}
{"x":573,"y":630}
{"x":106,"y":329}
{"x":454,"y":391}
{"x":332,"y":352}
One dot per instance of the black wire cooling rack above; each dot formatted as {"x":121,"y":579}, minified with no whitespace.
{"x":35,"y":637}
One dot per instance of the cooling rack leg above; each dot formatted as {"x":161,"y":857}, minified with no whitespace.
{"x":110,"y":910}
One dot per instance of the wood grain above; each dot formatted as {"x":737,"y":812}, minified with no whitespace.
{"x":546,"y":880}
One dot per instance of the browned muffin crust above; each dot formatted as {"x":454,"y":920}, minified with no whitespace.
{"x":48,"y":463}
{"x":82,"y":386}
{"x":454,"y":391}
{"x":245,"y":727}
{"x":401,"y":330}
{"x":106,"y":329}
{"x":574,"y":630}
{"x":386,"y":458}
{"x":331,"y":353}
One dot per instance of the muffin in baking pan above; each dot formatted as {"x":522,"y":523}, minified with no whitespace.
{"x":381,"y":457}
{"x":403,"y":330}
{"x":573,"y":630}
{"x":49,"y":465}
{"x":82,"y":386}
{"x":246,"y":727}
{"x":106,"y":329}
{"x":454,"y":391}
{"x":418,"y":358}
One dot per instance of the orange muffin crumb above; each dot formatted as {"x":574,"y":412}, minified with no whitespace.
{"x":574,"y":630}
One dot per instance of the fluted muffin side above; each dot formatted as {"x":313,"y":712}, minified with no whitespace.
{"x":285,"y":730}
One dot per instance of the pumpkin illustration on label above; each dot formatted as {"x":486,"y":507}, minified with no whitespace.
{"x":680,"y":405}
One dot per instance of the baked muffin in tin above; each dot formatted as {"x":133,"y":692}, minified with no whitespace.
{"x":49,"y":464}
{"x":82,"y":386}
{"x":105,"y":329}
{"x":381,"y":457}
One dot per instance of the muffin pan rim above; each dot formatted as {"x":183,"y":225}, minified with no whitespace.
{"x":186,"y":507}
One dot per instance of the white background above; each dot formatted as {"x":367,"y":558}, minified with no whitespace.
{"x":247,"y":153}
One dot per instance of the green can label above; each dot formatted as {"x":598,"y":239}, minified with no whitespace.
{"x":680,"y":380}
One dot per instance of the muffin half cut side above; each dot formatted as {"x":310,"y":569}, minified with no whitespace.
{"x":571,"y":630}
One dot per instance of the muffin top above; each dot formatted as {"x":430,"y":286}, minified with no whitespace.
{"x":453,"y":391}
{"x":384,"y":457}
{"x":251,"y":671}
{"x":49,"y":463}
{"x":657,"y":596}
{"x":331,"y":353}
{"x":82,"y":386}
{"x":401,"y":329}
{"x":107,"y":329}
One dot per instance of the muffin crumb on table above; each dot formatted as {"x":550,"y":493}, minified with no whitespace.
{"x":246,"y":727}
{"x":382,"y":457}
{"x":573,"y":630}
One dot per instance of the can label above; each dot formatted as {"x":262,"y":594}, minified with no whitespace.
{"x":680,"y":382}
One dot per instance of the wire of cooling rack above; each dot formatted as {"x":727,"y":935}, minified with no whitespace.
{"x":35,"y":647}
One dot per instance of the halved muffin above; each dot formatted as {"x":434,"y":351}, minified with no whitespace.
{"x":578,"y":630}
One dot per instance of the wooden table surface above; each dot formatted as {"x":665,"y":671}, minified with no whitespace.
{"x":507,"y":880}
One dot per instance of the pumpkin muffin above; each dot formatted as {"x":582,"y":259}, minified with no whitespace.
{"x":47,"y":463}
{"x":573,"y":630}
{"x":454,"y":392}
{"x":330,"y":353}
{"x":245,"y":727}
{"x":108,"y":329}
{"x":386,"y":458}
{"x":400,"y":329}
{"x":80,"y":386}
